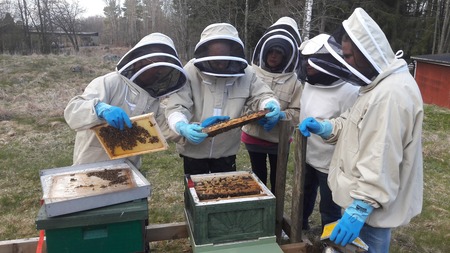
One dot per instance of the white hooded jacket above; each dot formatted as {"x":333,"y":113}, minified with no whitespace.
{"x":117,"y":90}
{"x":285,"y":85}
{"x":209,"y":94}
{"x":378,"y":155}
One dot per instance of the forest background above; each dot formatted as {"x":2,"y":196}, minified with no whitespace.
{"x":29,"y":26}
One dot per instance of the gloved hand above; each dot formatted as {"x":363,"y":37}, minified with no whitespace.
{"x":272,"y":118}
{"x":213,"y":120}
{"x":351,"y":223}
{"x":192,"y":132}
{"x":311,"y":125}
{"x":267,"y":124}
{"x":115,"y":116}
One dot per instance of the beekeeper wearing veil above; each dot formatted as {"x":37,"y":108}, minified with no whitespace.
{"x":376,"y":172}
{"x":150,"y":70}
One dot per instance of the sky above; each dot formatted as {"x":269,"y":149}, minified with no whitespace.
{"x":93,"y":7}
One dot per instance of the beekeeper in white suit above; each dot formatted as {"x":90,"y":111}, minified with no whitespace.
{"x":150,"y":70}
{"x":221,"y":86}
{"x":274,"y":60}
{"x":324,"y":96}
{"x":376,"y":172}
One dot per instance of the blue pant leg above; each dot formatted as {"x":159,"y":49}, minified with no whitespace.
{"x":378,"y":239}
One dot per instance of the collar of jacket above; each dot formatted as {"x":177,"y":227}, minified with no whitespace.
{"x":337,"y":83}
{"x":133,"y":87}
{"x":396,"y":66}
{"x":208,"y":79}
{"x":280,"y":78}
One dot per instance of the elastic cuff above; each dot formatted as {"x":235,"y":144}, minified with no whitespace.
{"x":100,"y":107}
{"x":265,"y":102}
{"x":364,"y":205}
{"x":174,"y":118}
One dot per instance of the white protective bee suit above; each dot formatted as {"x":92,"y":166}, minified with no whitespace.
{"x":211,"y":93}
{"x":284,"y":83}
{"x":378,"y":155}
{"x":118,"y":89}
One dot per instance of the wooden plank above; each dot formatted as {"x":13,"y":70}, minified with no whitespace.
{"x":280,"y":181}
{"x":28,"y":245}
{"x":170,"y":231}
{"x":154,"y":232}
{"x":299,"y":247}
{"x":297,"y":188}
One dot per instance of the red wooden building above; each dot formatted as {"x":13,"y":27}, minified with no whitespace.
{"x":432,"y":73}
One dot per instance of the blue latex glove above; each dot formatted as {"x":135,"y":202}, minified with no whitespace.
{"x":271,"y":118}
{"x":351,"y":223}
{"x":213,"y":120}
{"x":311,"y":125}
{"x":267,"y":125}
{"x":115,"y":116}
{"x":192,"y":132}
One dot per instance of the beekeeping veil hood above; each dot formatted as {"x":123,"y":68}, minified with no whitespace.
{"x":232,"y":60}
{"x":284,"y":35}
{"x":313,"y":51}
{"x":370,"y":40}
{"x":153,"y":65}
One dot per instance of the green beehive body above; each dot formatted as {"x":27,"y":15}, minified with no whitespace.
{"x":230,"y":220}
{"x":119,"y":228}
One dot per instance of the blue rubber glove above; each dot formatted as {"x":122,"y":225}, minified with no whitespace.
{"x":351,"y":223}
{"x":192,"y":132}
{"x":311,"y":125}
{"x":271,"y":118}
{"x":266,"y":124}
{"x":213,"y":120}
{"x":115,"y":116}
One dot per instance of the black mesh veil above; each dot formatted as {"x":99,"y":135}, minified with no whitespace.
{"x":231,"y":61}
{"x":277,"y":38}
{"x":155,"y":68}
{"x":346,"y":71}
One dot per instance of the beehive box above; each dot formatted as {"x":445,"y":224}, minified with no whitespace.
{"x":229,"y":218}
{"x":144,"y":137}
{"x":113,"y":229}
{"x":87,"y":186}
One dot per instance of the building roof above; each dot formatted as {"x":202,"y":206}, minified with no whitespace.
{"x":440,"y":59}
{"x":64,"y":33}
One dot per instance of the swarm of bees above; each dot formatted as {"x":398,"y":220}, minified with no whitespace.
{"x":127,"y":139}
{"x":227,"y":125}
{"x":226,"y":187}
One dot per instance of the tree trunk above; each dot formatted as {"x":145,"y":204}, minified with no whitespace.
{"x":307,"y":18}
{"x":445,"y":27}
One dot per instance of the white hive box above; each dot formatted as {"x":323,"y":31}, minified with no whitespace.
{"x":88,"y":186}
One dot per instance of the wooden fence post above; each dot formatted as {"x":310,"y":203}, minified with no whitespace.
{"x":280,"y":182}
{"x":297,"y":189}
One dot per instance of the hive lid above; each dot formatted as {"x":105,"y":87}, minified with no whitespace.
{"x":87,"y":186}
{"x":144,"y":137}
